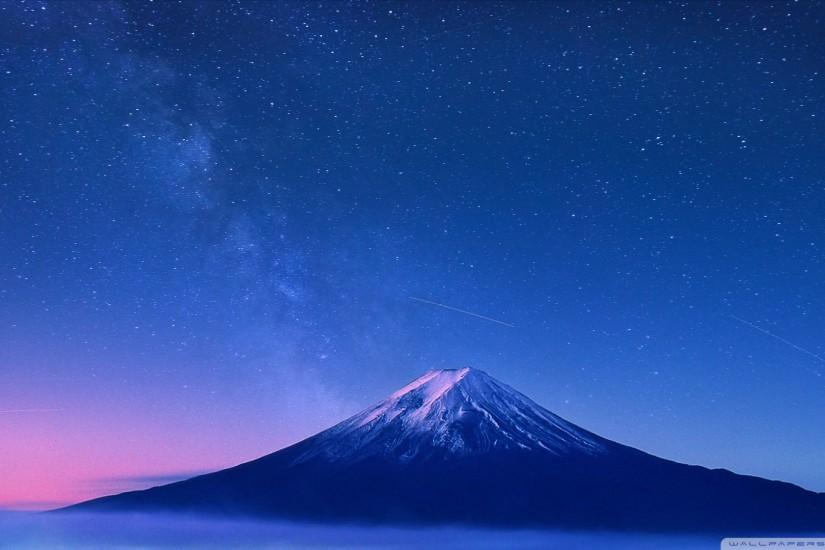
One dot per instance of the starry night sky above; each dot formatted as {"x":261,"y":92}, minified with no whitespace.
{"x":213,"y":217}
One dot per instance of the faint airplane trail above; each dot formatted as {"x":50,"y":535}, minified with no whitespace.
{"x":429,"y":37}
{"x":451,"y":308}
{"x":23,"y":411}
{"x":784,"y":341}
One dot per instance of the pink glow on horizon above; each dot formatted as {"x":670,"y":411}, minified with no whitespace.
{"x":104,"y":425}
{"x":52,"y":457}
{"x":52,"y":466}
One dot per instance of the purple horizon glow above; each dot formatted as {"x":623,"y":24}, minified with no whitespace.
{"x":116,"y":443}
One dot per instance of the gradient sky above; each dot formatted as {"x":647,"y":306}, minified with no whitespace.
{"x":213,"y":217}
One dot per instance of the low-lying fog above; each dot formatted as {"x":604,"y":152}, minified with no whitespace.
{"x":76,"y":530}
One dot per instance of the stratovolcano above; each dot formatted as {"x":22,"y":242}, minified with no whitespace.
{"x":458,"y":446}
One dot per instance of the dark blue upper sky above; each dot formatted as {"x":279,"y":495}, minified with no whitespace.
{"x":213,"y":217}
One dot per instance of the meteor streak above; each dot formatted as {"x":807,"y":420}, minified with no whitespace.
{"x":784,"y":341}
{"x":464,"y":311}
{"x":24,"y":411}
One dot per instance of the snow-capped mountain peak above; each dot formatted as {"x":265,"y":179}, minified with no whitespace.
{"x":450,"y":412}
{"x":434,"y":380}
{"x":422,"y":393}
{"x":458,"y":446}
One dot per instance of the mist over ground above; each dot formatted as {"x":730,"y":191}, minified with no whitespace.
{"x":115,"y":530}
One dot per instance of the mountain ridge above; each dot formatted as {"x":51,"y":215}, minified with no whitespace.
{"x":458,"y":412}
{"x":458,"y":446}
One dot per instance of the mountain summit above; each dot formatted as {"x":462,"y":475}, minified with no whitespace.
{"x":451,"y":412}
{"x":458,"y":446}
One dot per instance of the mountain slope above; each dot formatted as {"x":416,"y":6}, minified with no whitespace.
{"x":451,"y":413}
{"x":459,"y":446}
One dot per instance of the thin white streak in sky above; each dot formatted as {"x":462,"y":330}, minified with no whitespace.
{"x":464,"y":311}
{"x":784,"y":341}
{"x":429,"y":37}
{"x":24,"y":411}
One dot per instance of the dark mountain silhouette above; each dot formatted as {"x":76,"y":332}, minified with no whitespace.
{"x":457,"y":446}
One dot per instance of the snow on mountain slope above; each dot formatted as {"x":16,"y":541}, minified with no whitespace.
{"x":457,"y":446}
{"x":451,"y":412}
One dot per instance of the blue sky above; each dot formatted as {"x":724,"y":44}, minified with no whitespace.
{"x":214,"y":216}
